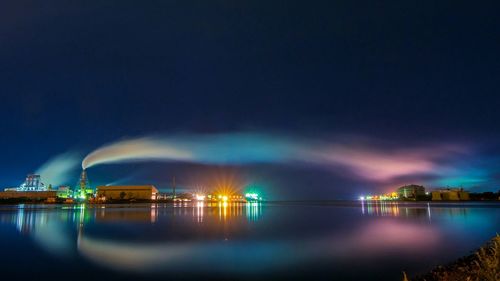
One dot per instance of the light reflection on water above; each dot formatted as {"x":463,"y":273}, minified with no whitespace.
{"x":255,"y":238}
{"x":410,"y":210}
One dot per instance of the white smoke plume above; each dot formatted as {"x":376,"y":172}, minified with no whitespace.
{"x":239,"y":148}
{"x":58,"y":170}
{"x":364,"y":159}
{"x":135,"y":150}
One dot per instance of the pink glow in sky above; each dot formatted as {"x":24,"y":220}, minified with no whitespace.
{"x":376,"y":164}
{"x":369,"y":159}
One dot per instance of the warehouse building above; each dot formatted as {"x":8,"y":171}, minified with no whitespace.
{"x":126,"y":192}
{"x":31,"y":189}
{"x":411,"y":192}
{"x":32,"y":195}
{"x":450,"y":194}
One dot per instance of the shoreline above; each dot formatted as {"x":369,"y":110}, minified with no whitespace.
{"x":16,"y":201}
{"x":482,"y":265}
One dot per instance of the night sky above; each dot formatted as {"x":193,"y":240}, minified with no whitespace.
{"x":386,"y":92}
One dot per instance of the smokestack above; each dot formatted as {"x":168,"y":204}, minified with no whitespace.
{"x":83,"y":182}
{"x":173,"y":188}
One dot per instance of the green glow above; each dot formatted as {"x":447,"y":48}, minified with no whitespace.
{"x":83,"y":194}
{"x":254,"y":191}
{"x":253,"y":197}
{"x":462,"y":181}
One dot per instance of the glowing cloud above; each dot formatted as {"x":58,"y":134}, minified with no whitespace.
{"x":58,"y":170}
{"x":211,"y":149}
{"x":365,"y":160}
{"x":377,"y":164}
{"x":135,"y":150}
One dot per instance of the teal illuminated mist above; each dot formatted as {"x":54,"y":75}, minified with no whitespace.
{"x":376,"y":165}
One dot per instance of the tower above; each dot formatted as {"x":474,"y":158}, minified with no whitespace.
{"x":83,"y":188}
{"x":173,"y":188}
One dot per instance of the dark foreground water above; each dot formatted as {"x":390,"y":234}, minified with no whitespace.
{"x":272,"y":241}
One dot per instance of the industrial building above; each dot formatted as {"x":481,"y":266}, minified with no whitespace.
{"x":32,"y":195}
{"x":32,"y":189}
{"x":83,"y":190}
{"x":64,"y":191}
{"x":32,"y":183}
{"x":450,"y":194}
{"x":411,"y":191}
{"x":126,"y":192}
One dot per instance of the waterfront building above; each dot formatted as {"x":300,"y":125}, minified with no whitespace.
{"x":32,"y":183}
{"x":252,"y":197}
{"x":31,"y":189}
{"x":436,"y":196}
{"x":30,"y":195}
{"x":411,"y":191}
{"x":126,"y":192}
{"x":64,"y":191}
{"x":450,"y":194}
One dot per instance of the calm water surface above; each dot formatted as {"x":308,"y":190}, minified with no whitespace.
{"x":269,"y":241}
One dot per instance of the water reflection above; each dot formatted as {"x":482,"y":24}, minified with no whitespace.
{"x":187,"y":236}
{"x":110,"y":214}
{"x":27,"y":222}
{"x":47,"y":225}
{"x":30,"y":218}
{"x":380,"y":208}
{"x":409,"y":210}
{"x":51,"y":227}
{"x":223,"y":210}
{"x":254,"y":211}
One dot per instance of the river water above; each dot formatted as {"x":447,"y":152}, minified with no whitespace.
{"x":258,"y":241}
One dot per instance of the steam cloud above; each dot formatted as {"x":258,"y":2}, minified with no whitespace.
{"x":135,"y":150}
{"x":211,"y":149}
{"x":370,"y":162}
{"x":58,"y":170}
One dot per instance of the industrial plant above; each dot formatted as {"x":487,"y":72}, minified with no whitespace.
{"x":34,"y":190}
{"x":413,"y":192}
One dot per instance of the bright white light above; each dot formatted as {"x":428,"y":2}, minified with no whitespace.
{"x":200,"y":197}
{"x":252,"y":196}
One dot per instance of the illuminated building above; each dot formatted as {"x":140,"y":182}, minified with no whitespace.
{"x":64,"y":191}
{"x":199,"y":197}
{"x":450,"y":194}
{"x":224,"y":198}
{"x":252,"y":197}
{"x":411,"y":191}
{"x":126,"y":192}
{"x":32,"y":188}
{"x":32,"y":183}
{"x":236,"y":198}
{"x":32,"y":195}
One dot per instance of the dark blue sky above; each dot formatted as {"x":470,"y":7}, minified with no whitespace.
{"x":75,"y":75}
